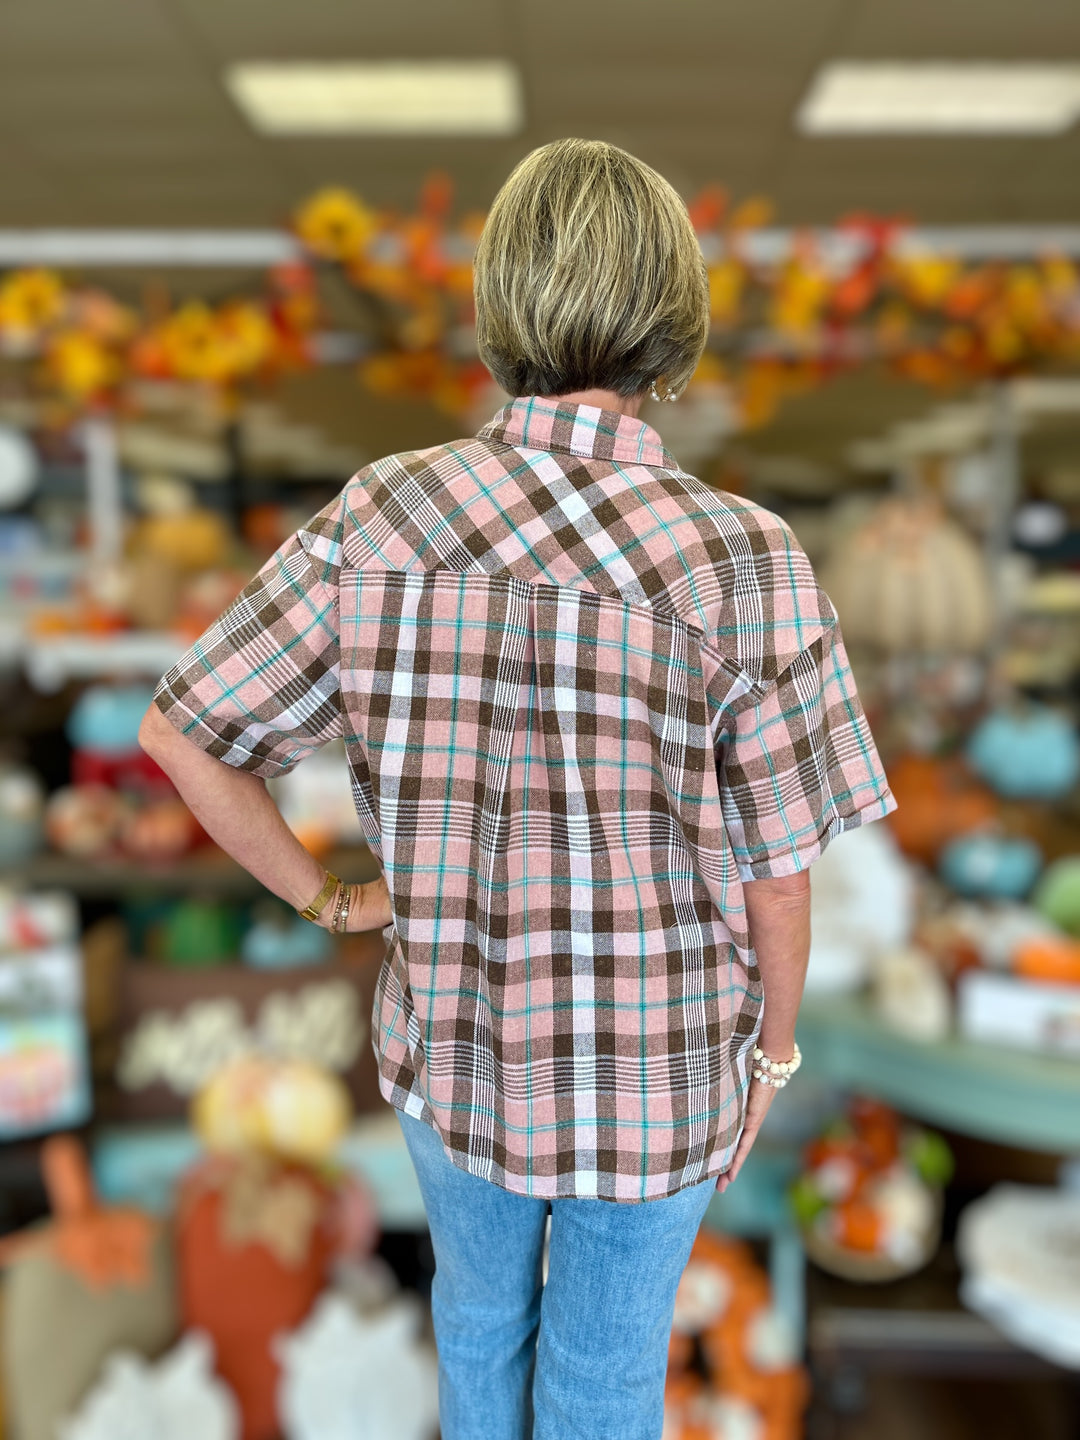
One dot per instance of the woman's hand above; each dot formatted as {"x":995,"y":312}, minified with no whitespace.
{"x":757,"y":1107}
{"x":370,"y":908}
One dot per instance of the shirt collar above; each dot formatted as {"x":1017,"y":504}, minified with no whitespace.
{"x":584,"y":430}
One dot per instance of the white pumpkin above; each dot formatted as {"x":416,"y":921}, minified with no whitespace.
{"x":347,"y":1376}
{"x":174,"y":1398}
{"x":909,"y":580}
{"x":862,"y":902}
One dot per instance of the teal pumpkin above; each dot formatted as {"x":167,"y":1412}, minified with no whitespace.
{"x":106,"y":718}
{"x":1057,"y":895}
{"x":1031,"y":753}
{"x":280,"y":940}
{"x":992,"y":865}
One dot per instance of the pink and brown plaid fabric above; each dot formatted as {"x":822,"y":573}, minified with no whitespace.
{"x":584,"y":697}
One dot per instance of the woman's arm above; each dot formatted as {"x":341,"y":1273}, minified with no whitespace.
{"x":778,"y":917}
{"x":236,"y":810}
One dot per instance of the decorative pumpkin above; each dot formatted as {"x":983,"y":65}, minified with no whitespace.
{"x":868,"y":1199}
{"x":994,"y":932}
{"x":159,"y":830}
{"x":938,"y":799}
{"x":910,"y":580}
{"x":288,"y":1108}
{"x":1057,"y":895}
{"x":192,"y":540}
{"x":910,"y":994}
{"x":862,"y":902}
{"x":200,"y":932}
{"x":90,"y":1281}
{"x":347,"y":1376}
{"x":1029,"y":752}
{"x":85,"y":820}
{"x":177,"y":1397}
{"x":281,"y":940}
{"x":754,"y":1386}
{"x":987,"y":864}
{"x":106,"y":718}
{"x":1053,"y":958}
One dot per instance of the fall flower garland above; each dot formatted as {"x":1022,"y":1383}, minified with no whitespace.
{"x":778,"y":327}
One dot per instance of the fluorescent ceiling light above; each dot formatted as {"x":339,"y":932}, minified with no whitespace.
{"x":379,"y":97}
{"x":863,"y":97}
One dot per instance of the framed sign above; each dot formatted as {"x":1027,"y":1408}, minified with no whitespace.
{"x":178,"y":1026}
{"x":44,"y":1064}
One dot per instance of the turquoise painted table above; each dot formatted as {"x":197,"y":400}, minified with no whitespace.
{"x":1014,"y":1097}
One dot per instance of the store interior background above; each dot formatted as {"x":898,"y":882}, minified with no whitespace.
{"x":208,"y":323}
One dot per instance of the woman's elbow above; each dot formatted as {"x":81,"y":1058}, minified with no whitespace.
{"x":156,"y":736}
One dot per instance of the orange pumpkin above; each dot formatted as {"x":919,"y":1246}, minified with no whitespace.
{"x":938,"y":799}
{"x":777,"y":1394}
{"x":858,"y":1226}
{"x":1050,"y":958}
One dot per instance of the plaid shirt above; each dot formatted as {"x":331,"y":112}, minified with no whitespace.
{"x":584,"y":698}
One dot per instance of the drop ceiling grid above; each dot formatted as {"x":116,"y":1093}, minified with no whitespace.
{"x":114,"y":112}
{"x":343,"y":29}
{"x":964,"y":30}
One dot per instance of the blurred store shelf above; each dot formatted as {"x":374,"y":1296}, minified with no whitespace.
{"x":1014,"y":1097}
{"x":911,"y":1329}
{"x":205,"y":871}
{"x":51,"y":661}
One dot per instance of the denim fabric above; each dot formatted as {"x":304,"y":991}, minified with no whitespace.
{"x":582,"y":1357}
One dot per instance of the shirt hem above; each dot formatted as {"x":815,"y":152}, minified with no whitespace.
{"x":547,"y":1188}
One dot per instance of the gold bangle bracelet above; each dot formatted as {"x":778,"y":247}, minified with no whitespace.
{"x":341,"y":910}
{"x":313,"y":911}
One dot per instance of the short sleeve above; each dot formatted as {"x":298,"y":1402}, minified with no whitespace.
{"x":799,"y":765}
{"x":260,"y":689}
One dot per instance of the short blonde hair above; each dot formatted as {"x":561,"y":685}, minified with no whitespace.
{"x":587,"y":275}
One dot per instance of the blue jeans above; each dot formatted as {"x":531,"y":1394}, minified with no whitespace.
{"x":582,"y":1357}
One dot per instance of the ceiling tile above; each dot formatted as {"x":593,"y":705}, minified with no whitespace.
{"x":51,"y":33}
{"x":729,"y":31}
{"x":334,"y":29}
{"x":967,"y":29}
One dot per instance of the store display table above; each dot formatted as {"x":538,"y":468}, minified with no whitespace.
{"x":1013,"y":1097}
{"x":143,"y":1164}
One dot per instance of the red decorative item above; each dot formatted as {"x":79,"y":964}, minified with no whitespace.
{"x":132,"y":770}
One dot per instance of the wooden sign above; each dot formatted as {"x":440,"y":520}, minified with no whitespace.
{"x":177,"y":1027}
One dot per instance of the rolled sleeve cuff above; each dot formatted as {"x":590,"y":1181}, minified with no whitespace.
{"x":231,"y":752}
{"x":790,"y":862}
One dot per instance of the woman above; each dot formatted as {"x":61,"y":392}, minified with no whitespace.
{"x":599,"y":720}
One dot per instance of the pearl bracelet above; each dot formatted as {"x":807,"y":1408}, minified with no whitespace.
{"x":775,"y":1072}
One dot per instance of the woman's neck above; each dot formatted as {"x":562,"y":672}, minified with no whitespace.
{"x":602,"y":399}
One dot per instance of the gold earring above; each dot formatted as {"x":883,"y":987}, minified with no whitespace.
{"x":668,"y":394}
